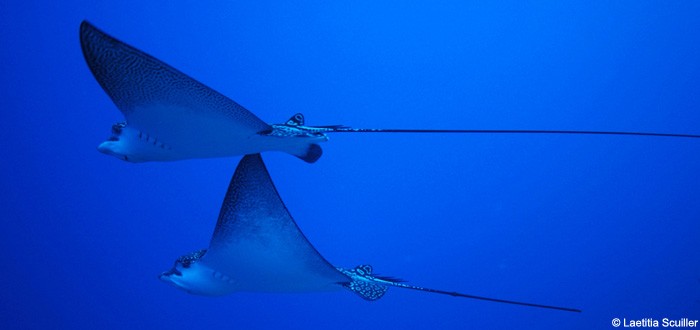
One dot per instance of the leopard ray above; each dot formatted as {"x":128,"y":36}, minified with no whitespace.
{"x":171,"y":116}
{"x":258,"y":247}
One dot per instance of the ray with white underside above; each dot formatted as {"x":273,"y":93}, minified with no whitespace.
{"x":258,"y":247}
{"x":170,"y":116}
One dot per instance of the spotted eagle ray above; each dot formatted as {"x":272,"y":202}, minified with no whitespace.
{"x":258,"y":247}
{"x":170,"y":116}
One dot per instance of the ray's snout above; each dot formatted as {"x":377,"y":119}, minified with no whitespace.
{"x":170,"y":277}
{"x":106,"y":148}
{"x":165,"y":276}
{"x":111,"y":147}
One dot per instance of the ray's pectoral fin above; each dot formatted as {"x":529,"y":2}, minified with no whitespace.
{"x":311,"y":154}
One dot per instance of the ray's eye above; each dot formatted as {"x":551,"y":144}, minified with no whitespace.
{"x":174,"y":270}
{"x":117,"y":128}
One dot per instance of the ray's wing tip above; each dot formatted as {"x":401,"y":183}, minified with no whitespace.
{"x":85,"y":32}
{"x":85,"y":28}
{"x":89,"y":31}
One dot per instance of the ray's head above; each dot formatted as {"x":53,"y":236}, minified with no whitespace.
{"x":190,"y":275}
{"x":132,"y":145}
{"x":182,"y":274}
{"x":117,"y":145}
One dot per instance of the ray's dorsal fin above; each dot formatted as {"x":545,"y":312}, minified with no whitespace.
{"x":296,"y":120}
{"x":372,"y":287}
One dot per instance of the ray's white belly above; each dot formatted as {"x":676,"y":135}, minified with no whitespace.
{"x":171,"y":133}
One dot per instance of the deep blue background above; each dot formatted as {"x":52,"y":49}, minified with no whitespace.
{"x":606,"y":224}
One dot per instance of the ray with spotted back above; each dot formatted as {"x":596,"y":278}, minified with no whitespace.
{"x":170,"y":116}
{"x":258,"y":247}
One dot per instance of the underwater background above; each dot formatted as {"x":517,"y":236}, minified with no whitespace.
{"x":607,"y":224}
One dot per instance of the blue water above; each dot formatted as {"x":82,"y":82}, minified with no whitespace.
{"x":605,"y":224}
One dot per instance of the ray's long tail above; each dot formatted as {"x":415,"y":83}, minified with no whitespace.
{"x":343,"y":129}
{"x":371,"y":287}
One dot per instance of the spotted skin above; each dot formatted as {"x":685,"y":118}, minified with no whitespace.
{"x":372,"y":287}
{"x":363,"y":284}
{"x":170,"y":116}
{"x":258,"y":247}
{"x":190,"y":258}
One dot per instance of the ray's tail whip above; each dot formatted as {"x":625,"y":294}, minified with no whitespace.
{"x":344,"y":129}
